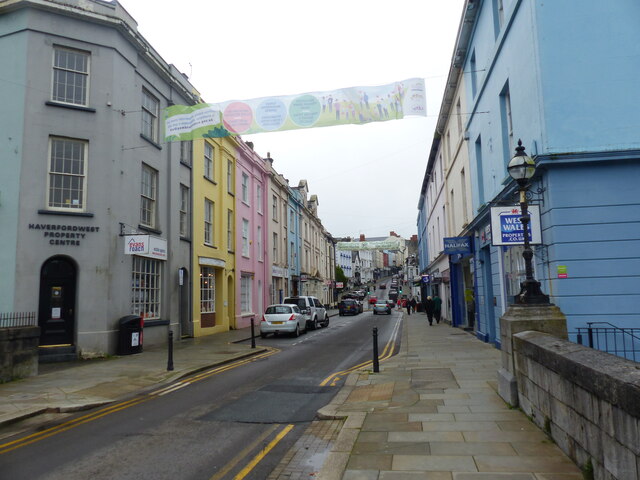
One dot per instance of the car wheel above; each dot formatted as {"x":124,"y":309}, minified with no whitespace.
{"x":296,"y":332}
{"x":375,"y":313}
{"x":326,"y":322}
{"x":263,"y":335}
{"x":315,"y":323}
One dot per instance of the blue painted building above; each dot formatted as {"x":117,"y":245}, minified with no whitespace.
{"x":295,"y":239}
{"x":561,"y":76}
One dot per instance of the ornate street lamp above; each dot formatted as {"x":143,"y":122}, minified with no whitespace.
{"x":521,"y":168}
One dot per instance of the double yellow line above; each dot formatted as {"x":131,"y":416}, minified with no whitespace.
{"x":387,"y":352}
{"x":63,"y":427}
{"x":248,"y":449}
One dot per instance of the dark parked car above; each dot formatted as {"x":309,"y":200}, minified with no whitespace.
{"x":349,"y":306}
{"x":383,"y":286}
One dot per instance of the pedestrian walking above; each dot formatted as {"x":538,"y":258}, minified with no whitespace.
{"x":437,"y":307}
{"x":429,"y":306}
{"x":413,"y":304}
{"x":407,"y":303}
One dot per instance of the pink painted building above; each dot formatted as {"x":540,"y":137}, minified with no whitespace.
{"x":253,"y":266}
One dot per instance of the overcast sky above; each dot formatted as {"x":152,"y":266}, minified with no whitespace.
{"x":367,"y":177}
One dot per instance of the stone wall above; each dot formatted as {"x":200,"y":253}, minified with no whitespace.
{"x":18,"y":352}
{"x":587,"y":401}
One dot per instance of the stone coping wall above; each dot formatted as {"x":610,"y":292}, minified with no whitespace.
{"x":18,"y":352}
{"x":588,"y":401}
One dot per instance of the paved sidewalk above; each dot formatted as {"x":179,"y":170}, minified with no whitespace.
{"x":84,"y":384}
{"x":433,"y":413}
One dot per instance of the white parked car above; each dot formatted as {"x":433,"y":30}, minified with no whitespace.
{"x":314,"y":312}
{"x":282,"y":318}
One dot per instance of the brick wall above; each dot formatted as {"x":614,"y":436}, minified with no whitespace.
{"x":587,"y":401}
{"x":18,"y":352}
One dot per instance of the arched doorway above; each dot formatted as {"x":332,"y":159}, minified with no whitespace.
{"x":56,"y":308}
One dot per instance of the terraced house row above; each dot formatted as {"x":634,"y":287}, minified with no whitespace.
{"x":102,"y":219}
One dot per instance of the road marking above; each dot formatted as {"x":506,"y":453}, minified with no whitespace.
{"x":63,"y":427}
{"x":250,"y":466}
{"x":387,"y":352}
{"x":235,"y":460}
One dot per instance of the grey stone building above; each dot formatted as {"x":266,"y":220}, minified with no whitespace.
{"x":94,"y":206}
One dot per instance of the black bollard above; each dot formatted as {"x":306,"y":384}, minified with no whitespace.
{"x":253,"y":337}
{"x":376,"y":365}
{"x":170,"y":361}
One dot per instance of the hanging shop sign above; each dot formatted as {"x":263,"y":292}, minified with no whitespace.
{"x":506,"y":228}
{"x":455,"y":245}
{"x":145,"y":246}
{"x":279,"y":272}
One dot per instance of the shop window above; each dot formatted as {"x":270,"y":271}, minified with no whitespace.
{"x":207,"y":297}
{"x":146,"y":279}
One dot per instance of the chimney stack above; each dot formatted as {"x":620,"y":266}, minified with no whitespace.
{"x":362,"y":237}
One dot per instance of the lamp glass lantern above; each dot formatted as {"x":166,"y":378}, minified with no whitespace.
{"x":521,"y":167}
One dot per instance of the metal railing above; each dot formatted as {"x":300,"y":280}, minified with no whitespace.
{"x":18,"y":319}
{"x":623,"y":342}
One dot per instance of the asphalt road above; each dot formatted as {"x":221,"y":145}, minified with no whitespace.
{"x":227,"y":423}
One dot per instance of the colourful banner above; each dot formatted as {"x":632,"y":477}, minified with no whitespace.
{"x":354,"y":105}
{"x":381,"y":245}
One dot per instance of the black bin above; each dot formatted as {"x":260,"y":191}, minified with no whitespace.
{"x":130,"y":335}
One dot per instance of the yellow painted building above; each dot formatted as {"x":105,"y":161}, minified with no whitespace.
{"x":213,"y":241}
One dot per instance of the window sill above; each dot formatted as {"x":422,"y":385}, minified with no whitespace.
{"x":247,"y":204}
{"x":149,"y":229}
{"x":209,"y":246}
{"x":231,"y":193}
{"x":68,"y":214}
{"x":188,"y":165}
{"x":151,"y":141}
{"x":233,"y":252}
{"x":70,"y":106}
{"x":247,"y":314}
{"x":155,"y":323}
{"x":210,"y":180}
{"x":185,"y":239}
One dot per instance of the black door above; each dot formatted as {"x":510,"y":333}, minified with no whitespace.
{"x":57,"y":302}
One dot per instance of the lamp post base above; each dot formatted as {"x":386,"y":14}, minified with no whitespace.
{"x":531,"y":294}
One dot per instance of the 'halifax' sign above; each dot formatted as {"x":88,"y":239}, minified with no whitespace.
{"x":457,"y":245}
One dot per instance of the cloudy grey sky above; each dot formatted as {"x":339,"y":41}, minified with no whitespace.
{"x":367,"y":177}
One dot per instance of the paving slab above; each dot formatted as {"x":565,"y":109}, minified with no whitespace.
{"x":433,"y":413}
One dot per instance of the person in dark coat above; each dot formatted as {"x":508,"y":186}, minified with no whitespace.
{"x":437,"y":307}
{"x":413,"y":304}
{"x":428,"y":307}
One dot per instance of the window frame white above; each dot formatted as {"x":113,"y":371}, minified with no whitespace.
{"x":150,"y":116}
{"x":245,"y":238}
{"x":259,"y":198}
{"x":208,"y":222}
{"x":246,"y":294}
{"x":148,"y":196}
{"x":185,"y":220}
{"x":245,"y":188}
{"x":146,"y":287}
{"x":208,"y":165}
{"x":83,"y":160}
{"x":230,"y":226}
{"x":84,"y":76}
{"x":207,"y":289}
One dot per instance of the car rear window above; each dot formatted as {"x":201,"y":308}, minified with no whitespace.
{"x":296,"y":301}
{"x":278,"y":309}
{"x":349,"y":301}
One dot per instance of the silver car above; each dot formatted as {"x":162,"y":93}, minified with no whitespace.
{"x":282,"y":318}
{"x":381,"y":306}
